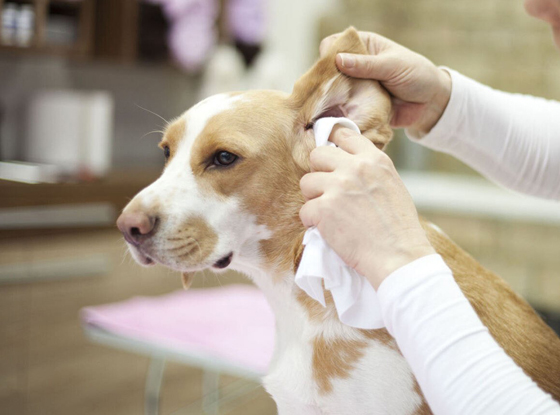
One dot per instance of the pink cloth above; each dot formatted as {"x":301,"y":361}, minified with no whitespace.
{"x":193,"y":34}
{"x":233,"y":323}
{"x":247,"y":20}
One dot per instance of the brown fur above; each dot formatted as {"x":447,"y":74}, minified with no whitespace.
{"x":423,"y":409}
{"x":335,"y":358}
{"x":173,"y":134}
{"x":195,"y":241}
{"x":267,"y":180}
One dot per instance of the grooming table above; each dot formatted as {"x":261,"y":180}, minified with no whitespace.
{"x":226,"y":330}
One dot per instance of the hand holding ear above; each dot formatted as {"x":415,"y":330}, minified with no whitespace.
{"x":361,"y":207}
{"x":420,"y":91}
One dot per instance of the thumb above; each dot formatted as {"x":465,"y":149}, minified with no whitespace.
{"x":379,"y":68}
{"x":309,"y":213}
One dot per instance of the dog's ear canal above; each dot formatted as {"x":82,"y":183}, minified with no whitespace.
{"x":325,"y":92}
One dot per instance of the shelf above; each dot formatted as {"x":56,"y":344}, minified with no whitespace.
{"x":73,"y":2}
{"x":19,"y":2}
{"x":51,"y":50}
{"x":83,"y":14}
{"x":109,"y":30}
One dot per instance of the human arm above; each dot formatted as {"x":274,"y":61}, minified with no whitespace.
{"x":512,"y":139}
{"x":457,"y":363}
{"x":363,"y":211}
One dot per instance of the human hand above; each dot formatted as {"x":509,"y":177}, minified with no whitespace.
{"x":419,"y":90}
{"x":361,"y":207}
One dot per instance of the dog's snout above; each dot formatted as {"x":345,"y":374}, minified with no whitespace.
{"x":136,"y":226}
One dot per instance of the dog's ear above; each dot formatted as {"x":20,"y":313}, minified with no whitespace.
{"x":325,"y":92}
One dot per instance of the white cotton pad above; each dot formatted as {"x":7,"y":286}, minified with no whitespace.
{"x":354,"y":298}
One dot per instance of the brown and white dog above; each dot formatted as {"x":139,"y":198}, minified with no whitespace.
{"x":229,"y":197}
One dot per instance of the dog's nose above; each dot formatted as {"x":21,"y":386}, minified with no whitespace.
{"x":136,"y":226}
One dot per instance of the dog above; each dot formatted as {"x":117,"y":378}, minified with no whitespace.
{"x":229,"y":198}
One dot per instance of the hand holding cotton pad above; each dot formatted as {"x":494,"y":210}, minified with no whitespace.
{"x":354,"y":298}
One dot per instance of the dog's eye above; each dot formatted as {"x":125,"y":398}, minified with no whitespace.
{"x":224,"y":158}
{"x":166,"y":152}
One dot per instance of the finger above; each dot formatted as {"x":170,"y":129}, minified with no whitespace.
{"x":309,"y":213}
{"x":313,"y":185}
{"x":375,"y":43}
{"x":349,"y":140}
{"x":379,"y":67}
{"x":326,"y":43}
{"x":326,"y":158}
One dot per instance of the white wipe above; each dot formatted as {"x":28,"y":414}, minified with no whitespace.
{"x":354,"y":298}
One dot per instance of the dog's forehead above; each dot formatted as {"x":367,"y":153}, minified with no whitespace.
{"x":197,"y":118}
{"x":246,"y":112}
{"x":251,"y":108}
{"x":251,"y":119}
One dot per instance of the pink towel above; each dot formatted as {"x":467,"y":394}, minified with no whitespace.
{"x":233,"y":323}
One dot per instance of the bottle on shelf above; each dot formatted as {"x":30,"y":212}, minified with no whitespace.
{"x":9,"y":23}
{"x":25,"y":25}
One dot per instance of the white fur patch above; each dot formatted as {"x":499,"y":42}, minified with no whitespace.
{"x":381,"y":383}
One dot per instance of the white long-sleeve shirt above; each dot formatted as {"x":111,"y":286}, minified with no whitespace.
{"x":512,"y":139}
{"x":515,"y":141}
{"x":457,"y":363}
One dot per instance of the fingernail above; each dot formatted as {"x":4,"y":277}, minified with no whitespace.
{"x":346,"y":60}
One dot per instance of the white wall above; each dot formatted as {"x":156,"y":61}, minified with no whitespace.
{"x":294,"y":32}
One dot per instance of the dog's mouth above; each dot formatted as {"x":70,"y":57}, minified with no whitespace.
{"x":140,"y":256}
{"x":223,"y":262}
{"x":146,"y":259}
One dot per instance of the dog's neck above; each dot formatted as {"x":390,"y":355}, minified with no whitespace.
{"x":273,"y":269}
{"x":296,"y":313}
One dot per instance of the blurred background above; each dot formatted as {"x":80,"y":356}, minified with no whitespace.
{"x":86,"y":86}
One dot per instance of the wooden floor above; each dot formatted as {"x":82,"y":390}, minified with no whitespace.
{"x":47,"y":366}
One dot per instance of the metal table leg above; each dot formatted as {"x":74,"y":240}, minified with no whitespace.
{"x":210,"y":392}
{"x":153,"y":385}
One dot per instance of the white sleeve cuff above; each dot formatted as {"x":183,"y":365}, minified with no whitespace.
{"x":439,"y":136}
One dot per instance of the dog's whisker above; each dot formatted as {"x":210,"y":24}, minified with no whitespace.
{"x":177,"y":248}
{"x":195,"y":274}
{"x":152,"y":132}
{"x":186,"y":254}
{"x":197,"y":244}
{"x":218,"y":279}
{"x":151,"y":112}
{"x":125,"y":254}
